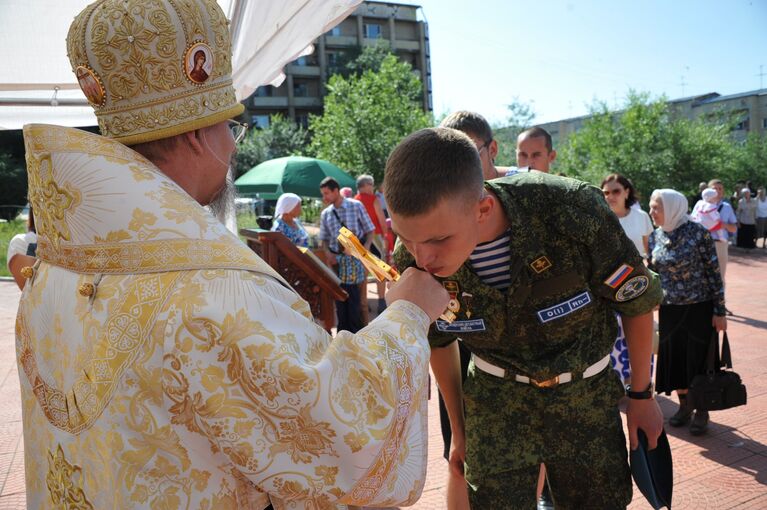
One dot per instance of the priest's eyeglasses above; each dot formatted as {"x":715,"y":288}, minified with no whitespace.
{"x":238,"y":130}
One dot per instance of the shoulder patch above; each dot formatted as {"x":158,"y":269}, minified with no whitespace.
{"x":619,"y":276}
{"x":633,"y":288}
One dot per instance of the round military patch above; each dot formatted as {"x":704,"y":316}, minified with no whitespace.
{"x":632,"y":288}
{"x":453,"y":305}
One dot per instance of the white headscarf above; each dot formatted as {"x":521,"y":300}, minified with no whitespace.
{"x":286,"y":203}
{"x":674,"y":208}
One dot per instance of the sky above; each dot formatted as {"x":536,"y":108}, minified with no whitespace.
{"x":562,"y":55}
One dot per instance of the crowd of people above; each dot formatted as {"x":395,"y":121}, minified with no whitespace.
{"x":171,"y":367}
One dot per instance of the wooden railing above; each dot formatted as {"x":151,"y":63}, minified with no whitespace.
{"x":311,"y":278}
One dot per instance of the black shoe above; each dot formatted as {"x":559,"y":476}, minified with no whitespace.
{"x":545,"y":502}
{"x":682,"y":416}
{"x":699,"y":424}
{"x":727,"y":311}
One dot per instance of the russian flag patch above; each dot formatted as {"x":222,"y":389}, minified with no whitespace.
{"x":618,"y":276}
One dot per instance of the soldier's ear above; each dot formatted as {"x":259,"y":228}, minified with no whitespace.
{"x":484,"y":208}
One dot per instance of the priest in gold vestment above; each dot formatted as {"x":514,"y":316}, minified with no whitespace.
{"x":162,"y":363}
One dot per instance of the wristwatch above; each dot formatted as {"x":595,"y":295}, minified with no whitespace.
{"x":640,"y":395}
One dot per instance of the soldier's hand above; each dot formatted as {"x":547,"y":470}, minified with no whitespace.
{"x":645,"y":415}
{"x":421,"y":289}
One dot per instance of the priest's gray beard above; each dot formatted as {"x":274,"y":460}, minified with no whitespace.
{"x":223,"y":202}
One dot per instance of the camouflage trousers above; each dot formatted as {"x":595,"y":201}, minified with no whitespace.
{"x":575,"y":429}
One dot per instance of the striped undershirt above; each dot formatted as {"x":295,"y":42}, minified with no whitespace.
{"x":491,"y":262}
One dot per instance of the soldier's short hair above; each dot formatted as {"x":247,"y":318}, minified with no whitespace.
{"x":537,"y":132}
{"x":364,"y":180}
{"x":471,"y":123}
{"x":429,"y":166}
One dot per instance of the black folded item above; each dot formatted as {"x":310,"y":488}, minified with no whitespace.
{"x":718,"y":388}
{"x":653,"y":470}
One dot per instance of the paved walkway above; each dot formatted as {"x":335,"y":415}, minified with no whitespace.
{"x":727,"y":468}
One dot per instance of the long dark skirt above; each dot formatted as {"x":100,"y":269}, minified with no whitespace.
{"x":746,"y":236}
{"x":685,"y":332}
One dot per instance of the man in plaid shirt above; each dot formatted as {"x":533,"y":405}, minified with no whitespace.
{"x":349,"y":213}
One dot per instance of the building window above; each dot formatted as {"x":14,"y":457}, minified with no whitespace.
{"x":302,"y":119}
{"x":373,"y":31}
{"x":300,"y":90}
{"x":742,"y":125}
{"x":260,"y":121}
{"x":265,"y":91}
{"x":335,"y":31}
{"x":300,"y":61}
{"x":332,"y":58}
{"x":764,"y":123}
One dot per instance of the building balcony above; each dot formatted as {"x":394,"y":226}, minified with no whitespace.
{"x":270,"y":102}
{"x":407,"y":45}
{"x":307,"y":102}
{"x":340,"y":40}
{"x":302,"y":70}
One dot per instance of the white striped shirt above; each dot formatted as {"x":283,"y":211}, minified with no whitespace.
{"x":491,"y":262}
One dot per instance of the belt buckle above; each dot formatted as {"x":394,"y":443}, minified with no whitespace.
{"x":548,"y":383}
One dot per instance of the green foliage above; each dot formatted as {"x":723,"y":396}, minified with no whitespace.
{"x":7,"y":231}
{"x":282,"y":138}
{"x":366,"y":115}
{"x":13,"y":192}
{"x":521,"y":117}
{"x":648,"y":145}
{"x":358,"y":59}
{"x":369,"y":58}
{"x":751,"y":162}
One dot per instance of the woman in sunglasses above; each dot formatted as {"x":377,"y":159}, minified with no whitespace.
{"x":621,"y":197}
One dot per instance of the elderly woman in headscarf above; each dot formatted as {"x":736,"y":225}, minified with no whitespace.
{"x":286,"y":215}
{"x":682,"y":252}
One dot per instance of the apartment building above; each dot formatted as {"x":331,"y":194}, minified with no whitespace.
{"x":748,"y":108}
{"x":303,"y":90}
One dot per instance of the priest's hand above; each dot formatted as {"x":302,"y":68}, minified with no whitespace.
{"x":421,"y":289}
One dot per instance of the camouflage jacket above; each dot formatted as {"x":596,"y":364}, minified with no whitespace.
{"x":572,"y":266}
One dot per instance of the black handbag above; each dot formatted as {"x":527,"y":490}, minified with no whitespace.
{"x":718,"y":388}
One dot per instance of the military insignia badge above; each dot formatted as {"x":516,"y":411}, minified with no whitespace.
{"x":467,"y":300}
{"x":452,"y":288}
{"x":91,"y":85}
{"x":635,"y":287}
{"x":198,"y":62}
{"x":541,"y":264}
{"x":619,"y":276}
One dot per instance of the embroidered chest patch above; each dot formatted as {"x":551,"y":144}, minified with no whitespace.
{"x":469,"y":326}
{"x":564,"y":308}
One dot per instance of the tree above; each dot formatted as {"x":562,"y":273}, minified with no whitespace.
{"x":648,"y":145}
{"x":366,"y":115}
{"x":751,"y":163}
{"x":281,"y":138}
{"x":13,"y":192}
{"x":521,"y":117}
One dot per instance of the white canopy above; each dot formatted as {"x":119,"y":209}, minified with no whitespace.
{"x":37,"y":83}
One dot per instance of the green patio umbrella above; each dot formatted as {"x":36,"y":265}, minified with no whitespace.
{"x":293,"y":174}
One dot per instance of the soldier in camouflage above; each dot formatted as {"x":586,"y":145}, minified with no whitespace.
{"x":538,"y":388}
